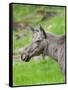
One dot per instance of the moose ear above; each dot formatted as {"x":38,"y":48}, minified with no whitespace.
{"x":31,"y":28}
{"x":42,"y":30}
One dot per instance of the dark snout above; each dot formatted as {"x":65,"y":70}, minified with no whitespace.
{"x":25,"y":57}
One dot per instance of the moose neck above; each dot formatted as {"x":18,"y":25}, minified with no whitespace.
{"x":52,"y":48}
{"x":51,"y":37}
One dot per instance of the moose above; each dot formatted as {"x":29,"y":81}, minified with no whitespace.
{"x":47,"y":44}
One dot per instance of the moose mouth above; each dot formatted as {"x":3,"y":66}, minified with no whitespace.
{"x":26,"y":59}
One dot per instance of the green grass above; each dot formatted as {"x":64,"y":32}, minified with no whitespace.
{"x":33,"y":73}
{"x":41,"y":72}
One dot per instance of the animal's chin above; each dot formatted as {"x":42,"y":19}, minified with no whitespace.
{"x":26,"y":59}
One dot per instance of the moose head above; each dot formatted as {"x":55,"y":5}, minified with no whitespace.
{"x":46,"y":44}
{"x":37,"y":46}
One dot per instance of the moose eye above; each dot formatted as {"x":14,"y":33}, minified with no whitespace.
{"x":37,"y":30}
{"x":38,"y":41}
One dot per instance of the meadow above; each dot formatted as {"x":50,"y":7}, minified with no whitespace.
{"x":36,"y":71}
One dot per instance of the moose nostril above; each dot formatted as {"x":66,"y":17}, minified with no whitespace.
{"x":22,"y":58}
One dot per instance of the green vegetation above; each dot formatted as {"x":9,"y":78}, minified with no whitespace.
{"x":42,"y":72}
{"x":36,"y":73}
